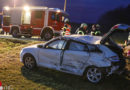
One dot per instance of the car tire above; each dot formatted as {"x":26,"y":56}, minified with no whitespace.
{"x":15,"y":33}
{"x":47,"y":35}
{"x":93,"y":74}
{"x":29,"y":61}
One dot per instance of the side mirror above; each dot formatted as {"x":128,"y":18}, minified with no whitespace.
{"x":40,"y":46}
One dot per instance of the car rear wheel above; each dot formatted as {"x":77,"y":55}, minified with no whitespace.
{"x":93,"y":74}
{"x":29,"y":61}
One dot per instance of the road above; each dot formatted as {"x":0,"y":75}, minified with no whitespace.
{"x":22,"y":38}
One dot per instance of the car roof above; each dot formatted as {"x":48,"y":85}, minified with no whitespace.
{"x":84,"y":39}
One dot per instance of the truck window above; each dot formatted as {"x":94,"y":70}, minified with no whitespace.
{"x":6,"y":20}
{"x":26,"y":17}
{"x":38,"y":14}
{"x":55,"y":16}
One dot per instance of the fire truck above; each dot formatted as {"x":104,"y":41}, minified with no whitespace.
{"x":33,"y":21}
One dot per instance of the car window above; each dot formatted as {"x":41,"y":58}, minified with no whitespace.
{"x":76,"y":46}
{"x":58,"y":44}
{"x":92,"y":47}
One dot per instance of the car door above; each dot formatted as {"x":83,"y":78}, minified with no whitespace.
{"x":50,"y":55}
{"x":75,"y":57}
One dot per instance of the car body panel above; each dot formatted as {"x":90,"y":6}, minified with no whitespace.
{"x":49,"y":58}
{"x":69,"y":61}
{"x":74,"y":61}
{"x":98,"y":59}
{"x":33,"y":50}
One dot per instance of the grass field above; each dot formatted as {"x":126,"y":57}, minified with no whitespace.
{"x":12,"y":72}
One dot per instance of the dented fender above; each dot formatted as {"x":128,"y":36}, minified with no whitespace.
{"x":98,"y":60}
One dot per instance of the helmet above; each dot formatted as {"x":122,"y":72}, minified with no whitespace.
{"x":97,"y":26}
{"x":83,"y":25}
{"x":66,"y":20}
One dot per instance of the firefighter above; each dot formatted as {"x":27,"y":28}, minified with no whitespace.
{"x":82,"y":30}
{"x":67,"y":28}
{"x":96,"y":30}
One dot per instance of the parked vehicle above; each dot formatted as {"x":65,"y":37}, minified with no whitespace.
{"x":33,"y":21}
{"x":91,"y":56}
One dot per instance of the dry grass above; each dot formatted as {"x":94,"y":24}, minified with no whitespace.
{"x":13,"y":73}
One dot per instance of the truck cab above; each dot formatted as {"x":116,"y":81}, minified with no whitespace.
{"x":33,"y":21}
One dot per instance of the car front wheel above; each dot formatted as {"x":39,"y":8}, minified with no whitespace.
{"x":29,"y":62}
{"x":94,"y":74}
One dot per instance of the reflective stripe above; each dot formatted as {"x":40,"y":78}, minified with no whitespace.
{"x":63,"y":33}
{"x":97,"y":32}
{"x":5,"y":26}
{"x":80,"y":32}
{"x":67,"y":33}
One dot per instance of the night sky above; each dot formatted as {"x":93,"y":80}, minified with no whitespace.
{"x":79,"y":10}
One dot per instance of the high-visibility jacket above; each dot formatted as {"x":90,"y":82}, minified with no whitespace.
{"x":96,"y":33}
{"x":81,"y":31}
{"x":67,"y":29}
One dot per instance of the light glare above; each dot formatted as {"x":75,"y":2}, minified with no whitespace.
{"x":7,"y":8}
{"x":58,"y":11}
{"x":26,"y":8}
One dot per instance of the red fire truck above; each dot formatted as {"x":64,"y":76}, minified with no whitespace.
{"x":33,"y":21}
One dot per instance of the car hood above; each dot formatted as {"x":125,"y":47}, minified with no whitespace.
{"x":33,"y":46}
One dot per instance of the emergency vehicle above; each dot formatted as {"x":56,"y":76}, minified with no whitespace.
{"x":33,"y":21}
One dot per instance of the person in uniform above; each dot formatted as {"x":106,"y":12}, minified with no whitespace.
{"x":82,"y":30}
{"x":95,"y":30}
{"x":67,"y":28}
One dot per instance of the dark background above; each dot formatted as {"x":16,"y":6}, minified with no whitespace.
{"x":105,"y":12}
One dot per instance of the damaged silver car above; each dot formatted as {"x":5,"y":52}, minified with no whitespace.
{"x":90,"y":56}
